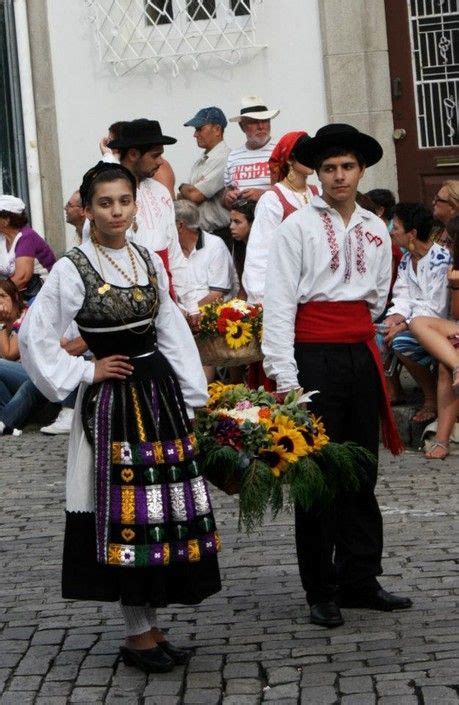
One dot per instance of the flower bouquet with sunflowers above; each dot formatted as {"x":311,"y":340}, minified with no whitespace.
{"x":230,"y":333}
{"x":252,"y":444}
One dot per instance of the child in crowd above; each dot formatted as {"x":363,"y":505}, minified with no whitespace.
{"x":241,"y":218}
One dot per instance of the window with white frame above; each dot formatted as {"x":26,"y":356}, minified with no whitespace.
{"x":130,"y":32}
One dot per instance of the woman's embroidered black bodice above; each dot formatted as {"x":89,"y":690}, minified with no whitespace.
{"x":111,"y":321}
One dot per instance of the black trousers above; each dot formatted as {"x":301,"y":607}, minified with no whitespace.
{"x":339,"y":548}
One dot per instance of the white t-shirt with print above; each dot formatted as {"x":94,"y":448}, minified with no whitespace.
{"x":248,"y":168}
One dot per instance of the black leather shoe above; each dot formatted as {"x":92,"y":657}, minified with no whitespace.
{"x":149,"y":660}
{"x":179,"y":656}
{"x":326,"y":614}
{"x":379,"y":600}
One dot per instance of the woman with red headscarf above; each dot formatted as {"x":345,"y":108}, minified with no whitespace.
{"x":289,"y":192}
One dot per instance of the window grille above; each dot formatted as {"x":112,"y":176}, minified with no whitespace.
{"x":434,"y":27}
{"x":173,"y":32}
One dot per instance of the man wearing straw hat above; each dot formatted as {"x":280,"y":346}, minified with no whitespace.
{"x":247,"y":172}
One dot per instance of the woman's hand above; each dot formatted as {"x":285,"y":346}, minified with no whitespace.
{"x":393,"y":330}
{"x":113,"y":367}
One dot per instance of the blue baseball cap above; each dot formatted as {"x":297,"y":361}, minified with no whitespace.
{"x":208,"y":116}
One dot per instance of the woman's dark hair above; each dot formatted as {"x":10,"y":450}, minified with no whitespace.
{"x":415,"y":216}
{"x":336,"y":151}
{"x":452,"y":228}
{"x":104,"y":173}
{"x":15,"y":295}
{"x":239,"y":251}
{"x":364,"y":200}
{"x":246,"y":207}
{"x":16,"y":220}
{"x":385,"y":199}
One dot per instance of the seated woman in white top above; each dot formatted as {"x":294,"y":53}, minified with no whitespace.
{"x":289,"y":192}
{"x":441,"y":338}
{"x":420,"y":290}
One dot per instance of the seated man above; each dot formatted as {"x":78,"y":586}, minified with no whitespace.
{"x":211,"y":269}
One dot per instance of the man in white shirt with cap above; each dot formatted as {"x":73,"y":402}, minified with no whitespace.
{"x":206,"y":184}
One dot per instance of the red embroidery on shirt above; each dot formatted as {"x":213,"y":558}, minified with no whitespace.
{"x":373,"y":238}
{"x":332,"y":243}
{"x":360,"y":257}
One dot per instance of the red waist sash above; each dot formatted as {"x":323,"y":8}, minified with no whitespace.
{"x":164,"y":254}
{"x":348,"y":322}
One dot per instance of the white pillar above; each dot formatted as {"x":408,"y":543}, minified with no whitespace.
{"x":28,"y":115}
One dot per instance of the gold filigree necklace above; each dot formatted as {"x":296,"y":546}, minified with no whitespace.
{"x":301,"y":193}
{"x":137,"y":293}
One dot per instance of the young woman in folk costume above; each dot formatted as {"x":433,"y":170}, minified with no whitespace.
{"x":139,"y":524}
{"x":289,"y":192}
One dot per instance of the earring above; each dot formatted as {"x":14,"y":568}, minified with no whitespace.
{"x":411,"y":246}
{"x":135,"y":226}
{"x":92,"y":230}
{"x":291,"y":176}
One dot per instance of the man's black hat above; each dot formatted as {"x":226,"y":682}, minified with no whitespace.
{"x":140,"y":132}
{"x":338,"y":135}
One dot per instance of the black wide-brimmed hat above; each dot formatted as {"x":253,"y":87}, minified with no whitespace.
{"x":339,"y":135}
{"x":139,"y":132}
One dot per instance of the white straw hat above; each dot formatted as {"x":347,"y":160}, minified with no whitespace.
{"x":252,"y":106}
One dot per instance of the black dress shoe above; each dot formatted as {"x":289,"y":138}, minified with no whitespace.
{"x":149,"y":660}
{"x":379,"y":600}
{"x":179,"y":656}
{"x":326,"y":614}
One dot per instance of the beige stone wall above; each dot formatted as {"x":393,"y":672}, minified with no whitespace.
{"x":45,"y":114}
{"x":357,"y":80}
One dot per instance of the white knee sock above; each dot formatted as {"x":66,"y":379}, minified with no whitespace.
{"x":138,"y":620}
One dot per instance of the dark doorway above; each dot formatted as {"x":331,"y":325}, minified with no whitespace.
{"x":423,"y":40}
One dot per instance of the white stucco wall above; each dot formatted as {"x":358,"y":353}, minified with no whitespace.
{"x":287,"y":74}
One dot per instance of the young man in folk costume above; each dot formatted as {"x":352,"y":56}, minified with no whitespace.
{"x":141,"y":146}
{"x":329,"y":275}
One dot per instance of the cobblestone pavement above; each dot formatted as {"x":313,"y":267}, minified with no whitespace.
{"x":252,"y":642}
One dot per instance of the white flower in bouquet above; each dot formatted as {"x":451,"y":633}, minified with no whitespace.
{"x":247,"y":414}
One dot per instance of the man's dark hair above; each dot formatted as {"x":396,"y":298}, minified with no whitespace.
{"x":415,"y":216}
{"x":142,"y":148}
{"x":336,"y":151}
{"x":116,"y":128}
{"x":385,"y":199}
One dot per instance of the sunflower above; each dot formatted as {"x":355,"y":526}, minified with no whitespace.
{"x":291,"y":440}
{"x":216,"y":391}
{"x":275,"y":457}
{"x":238,"y":334}
{"x":284,"y":421}
{"x":314,"y":435}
